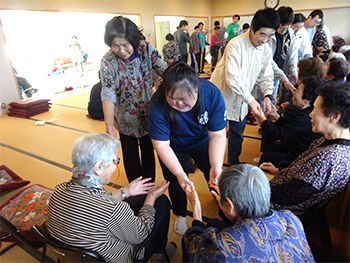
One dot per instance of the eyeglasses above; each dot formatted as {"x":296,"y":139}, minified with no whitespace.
{"x":316,"y":22}
{"x":284,"y":27}
{"x":116,"y":161}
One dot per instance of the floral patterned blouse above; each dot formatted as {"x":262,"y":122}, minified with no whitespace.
{"x":171,"y":51}
{"x":319,"y":40}
{"x":128,"y":84}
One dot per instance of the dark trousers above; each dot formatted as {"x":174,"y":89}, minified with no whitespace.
{"x":214,"y":52}
{"x":184,"y":57}
{"x":162,"y":217}
{"x":235,"y":140}
{"x":134,"y":167}
{"x":177,"y":195}
{"x":194,"y":60}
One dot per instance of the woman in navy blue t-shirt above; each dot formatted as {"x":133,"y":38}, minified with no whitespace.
{"x":187,"y":119}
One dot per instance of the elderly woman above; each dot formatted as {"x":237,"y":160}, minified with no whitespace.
{"x":322,"y":171}
{"x":337,"y":70}
{"x":255,"y":234}
{"x":294,"y":134}
{"x":126,"y":75}
{"x":187,"y":118}
{"x":82,"y":214}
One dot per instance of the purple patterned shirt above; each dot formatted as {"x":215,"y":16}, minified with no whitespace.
{"x":128,"y":84}
{"x":325,"y":165}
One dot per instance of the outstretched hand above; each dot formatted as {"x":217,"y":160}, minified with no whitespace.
{"x":159,"y":189}
{"x":269,"y":167}
{"x":191,"y":194}
{"x":139,"y":186}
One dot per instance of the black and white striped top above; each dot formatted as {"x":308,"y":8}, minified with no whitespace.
{"x":92,"y":219}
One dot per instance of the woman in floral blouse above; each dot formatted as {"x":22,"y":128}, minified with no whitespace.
{"x":126,"y":75}
{"x":319,"y":42}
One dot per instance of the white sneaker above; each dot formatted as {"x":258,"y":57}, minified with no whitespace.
{"x":180,"y":225}
{"x":256,"y":160}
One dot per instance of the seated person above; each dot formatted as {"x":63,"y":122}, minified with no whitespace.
{"x":255,"y":234}
{"x":95,"y":104}
{"x":322,"y":171}
{"x":82,"y":214}
{"x":295,"y":134}
{"x":306,"y":67}
{"x":337,"y":70}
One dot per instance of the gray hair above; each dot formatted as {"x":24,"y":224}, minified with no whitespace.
{"x":248,"y":189}
{"x":91,"y":148}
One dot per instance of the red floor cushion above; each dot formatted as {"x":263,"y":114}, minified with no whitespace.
{"x":9,"y":180}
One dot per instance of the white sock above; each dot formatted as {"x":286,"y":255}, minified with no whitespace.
{"x":180,"y":225}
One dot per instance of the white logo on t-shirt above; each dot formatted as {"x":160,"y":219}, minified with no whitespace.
{"x":203,"y":118}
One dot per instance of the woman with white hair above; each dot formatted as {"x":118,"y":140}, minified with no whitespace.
{"x":256,"y":233}
{"x":82,"y":214}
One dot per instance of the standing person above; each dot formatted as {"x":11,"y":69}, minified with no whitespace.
{"x":283,"y":48}
{"x":201,"y":35}
{"x":314,"y":19}
{"x":182,"y":37}
{"x":245,"y":28}
{"x":126,"y":75}
{"x":302,"y":40}
{"x":221,"y":37}
{"x":77,"y":55}
{"x":214,"y":47}
{"x":170,"y":50}
{"x":233,"y":28}
{"x":187,"y":118}
{"x":320,"y":43}
{"x":247,"y":60}
{"x":195,"y":48}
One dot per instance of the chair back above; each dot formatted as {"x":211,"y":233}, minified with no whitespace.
{"x":66,"y":253}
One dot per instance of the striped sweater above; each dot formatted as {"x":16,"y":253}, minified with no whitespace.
{"x":92,"y":219}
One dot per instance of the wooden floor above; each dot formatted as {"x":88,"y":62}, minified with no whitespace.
{"x":41,"y":154}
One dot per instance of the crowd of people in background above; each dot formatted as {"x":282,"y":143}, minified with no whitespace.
{"x":283,"y":69}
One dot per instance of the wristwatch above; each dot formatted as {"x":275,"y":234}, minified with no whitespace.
{"x":123,"y":193}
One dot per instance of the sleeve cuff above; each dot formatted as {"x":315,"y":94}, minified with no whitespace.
{"x":198,"y":223}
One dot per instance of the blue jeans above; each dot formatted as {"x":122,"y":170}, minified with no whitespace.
{"x":235,"y":140}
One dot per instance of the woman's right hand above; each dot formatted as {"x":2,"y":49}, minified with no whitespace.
{"x":156,"y":192}
{"x":191,"y":194}
{"x":184,"y":181}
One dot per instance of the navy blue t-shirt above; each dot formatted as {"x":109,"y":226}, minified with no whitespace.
{"x":188,"y":135}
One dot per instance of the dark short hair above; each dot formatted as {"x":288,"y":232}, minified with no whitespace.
{"x":196,"y":27}
{"x":178,"y":75}
{"x":245,"y":26}
{"x":311,"y":67}
{"x":169,"y":37}
{"x":338,"y":43}
{"x":267,"y":17}
{"x":216,"y":23}
{"x":336,"y":100}
{"x":299,"y":18}
{"x":120,"y":26}
{"x":286,"y":15}
{"x":183,"y":23}
{"x":216,"y":28}
{"x":236,"y":15}
{"x":311,"y":85}
{"x":200,"y":23}
{"x":317,"y":12}
{"x":337,"y":68}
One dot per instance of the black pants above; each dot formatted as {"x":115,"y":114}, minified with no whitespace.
{"x":184,"y":57}
{"x":177,"y":195}
{"x":134,"y":167}
{"x":194,"y":60}
{"x":162,"y":217}
{"x":214,"y":52}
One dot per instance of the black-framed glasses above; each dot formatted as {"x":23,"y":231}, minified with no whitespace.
{"x":116,"y":161}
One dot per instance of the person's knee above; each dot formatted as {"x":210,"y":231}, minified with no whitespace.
{"x":162,"y":202}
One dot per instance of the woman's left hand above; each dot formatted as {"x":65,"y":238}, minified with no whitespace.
{"x":139,"y":186}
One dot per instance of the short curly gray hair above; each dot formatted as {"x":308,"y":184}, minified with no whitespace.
{"x":248,"y":189}
{"x":91,"y":148}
